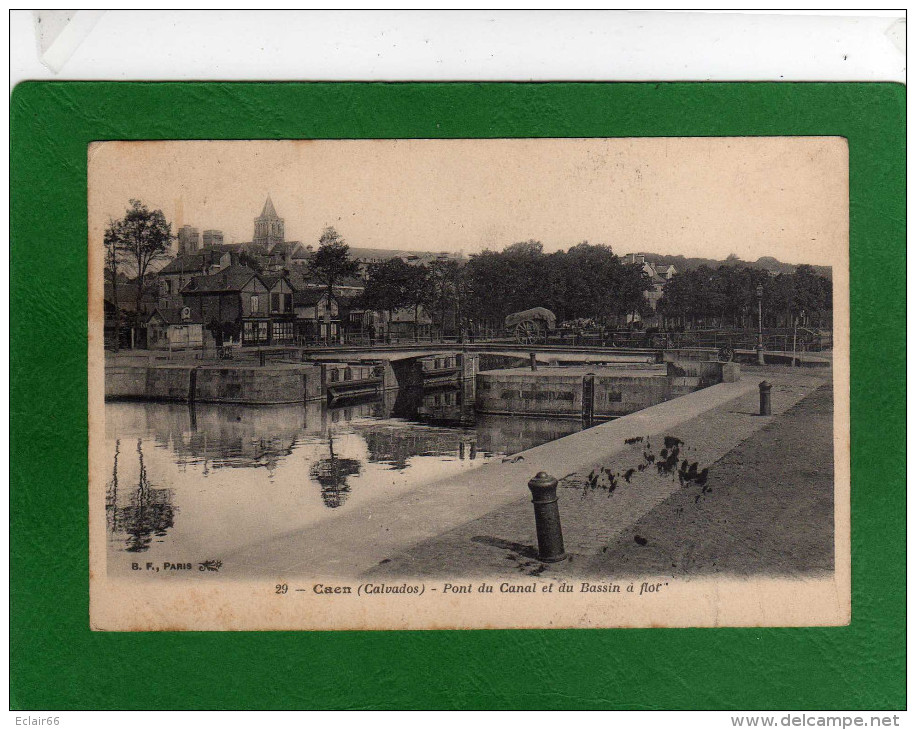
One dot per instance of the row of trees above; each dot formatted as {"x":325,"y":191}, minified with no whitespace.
{"x":727,"y":297}
{"x":587,"y":281}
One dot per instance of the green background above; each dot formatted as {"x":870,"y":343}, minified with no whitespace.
{"x":57,"y":663}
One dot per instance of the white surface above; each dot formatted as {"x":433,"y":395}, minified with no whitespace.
{"x":61,"y":32}
{"x":477,"y":45}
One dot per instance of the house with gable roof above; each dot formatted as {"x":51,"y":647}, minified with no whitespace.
{"x":179,"y":271}
{"x":173,"y":329}
{"x":657,"y":273}
{"x":234,"y":305}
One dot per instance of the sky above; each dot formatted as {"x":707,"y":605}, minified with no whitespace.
{"x":785,"y":197}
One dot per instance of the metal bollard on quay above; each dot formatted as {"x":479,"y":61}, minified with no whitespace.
{"x":766,"y":408}
{"x":547,"y":518}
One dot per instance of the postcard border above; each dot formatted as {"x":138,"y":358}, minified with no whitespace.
{"x":59,"y":663}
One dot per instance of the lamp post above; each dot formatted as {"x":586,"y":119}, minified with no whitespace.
{"x":760,"y":360}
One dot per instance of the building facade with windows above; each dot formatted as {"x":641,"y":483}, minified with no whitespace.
{"x":188,"y":240}
{"x":173,"y":329}
{"x":234,"y":305}
{"x":317,"y":316}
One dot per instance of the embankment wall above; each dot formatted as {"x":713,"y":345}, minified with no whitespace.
{"x":215,"y":384}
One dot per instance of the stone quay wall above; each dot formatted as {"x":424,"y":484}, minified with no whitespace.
{"x":251,"y":385}
{"x":593,"y":392}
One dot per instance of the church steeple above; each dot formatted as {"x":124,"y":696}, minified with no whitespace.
{"x":268,"y":210}
{"x":268,"y":227}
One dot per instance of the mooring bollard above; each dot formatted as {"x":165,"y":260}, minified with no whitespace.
{"x":547,"y":518}
{"x":534,"y":361}
{"x":765,"y":405}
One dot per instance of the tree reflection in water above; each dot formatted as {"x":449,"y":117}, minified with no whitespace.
{"x":332,"y":473}
{"x":149,"y":512}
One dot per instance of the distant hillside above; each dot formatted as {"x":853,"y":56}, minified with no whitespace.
{"x":684,"y":263}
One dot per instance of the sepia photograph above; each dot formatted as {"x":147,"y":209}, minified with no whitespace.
{"x":469,"y":383}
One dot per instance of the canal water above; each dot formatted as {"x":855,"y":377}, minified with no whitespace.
{"x":198,"y":481}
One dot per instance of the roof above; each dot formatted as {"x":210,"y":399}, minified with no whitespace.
{"x":250,"y":247}
{"x":172,"y":316}
{"x":383,"y":254}
{"x":268,"y":210}
{"x":127,"y":294}
{"x":295,"y":249}
{"x":189,"y":263}
{"x":300,"y":278}
{"x":308,"y":297}
{"x":270,"y":280}
{"x":231,"y":279}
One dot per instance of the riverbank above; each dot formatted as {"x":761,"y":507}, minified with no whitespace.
{"x":473,"y":524}
{"x":762,"y":503}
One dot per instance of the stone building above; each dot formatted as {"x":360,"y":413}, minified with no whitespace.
{"x":269,"y":228}
{"x":188,"y":240}
{"x":212,"y":238}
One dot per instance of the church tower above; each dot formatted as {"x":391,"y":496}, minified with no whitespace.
{"x":268,"y":227}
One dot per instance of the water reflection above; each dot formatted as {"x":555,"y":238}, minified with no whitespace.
{"x":147,"y":513}
{"x":212,"y":477}
{"x":331,"y":473}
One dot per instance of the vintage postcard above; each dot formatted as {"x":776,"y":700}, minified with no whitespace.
{"x":469,"y":383}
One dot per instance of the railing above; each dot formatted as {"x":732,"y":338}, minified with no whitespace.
{"x":802,"y":341}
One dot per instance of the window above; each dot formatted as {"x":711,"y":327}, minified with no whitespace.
{"x":255,"y":304}
{"x":275,"y":302}
{"x":255,"y":332}
{"x":287,"y":302}
{"x":283,"y":331}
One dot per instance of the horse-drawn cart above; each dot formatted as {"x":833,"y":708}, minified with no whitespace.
{"x":531,"y":326}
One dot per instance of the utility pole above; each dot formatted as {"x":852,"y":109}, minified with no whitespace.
{"x":760,"y":360}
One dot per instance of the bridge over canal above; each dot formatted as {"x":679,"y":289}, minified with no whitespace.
{"x":547,"y":354}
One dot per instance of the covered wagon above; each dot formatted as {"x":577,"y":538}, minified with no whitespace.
{"x":531,"y":326}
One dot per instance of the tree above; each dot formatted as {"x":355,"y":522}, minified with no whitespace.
{"x":112,"y":259}
{"x":810,"y":295}
{"x":729,"y":294}
{"x":142,"y":237}
{"x":418,"y":293}
{"x":597,"y":284}
{"x":386,"y":287}
{"x":331,"y":264}
{"x":251,"y":261}
{"x":508,"y":281}
{"x":630,"y":298}
{"x":447,"y":291}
